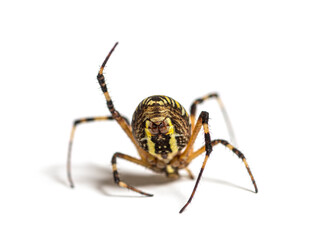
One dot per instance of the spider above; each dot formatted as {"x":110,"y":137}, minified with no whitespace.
{"x":163,"y":134}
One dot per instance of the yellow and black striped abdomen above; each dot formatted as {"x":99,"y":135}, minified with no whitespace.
{"x":161,"y":126}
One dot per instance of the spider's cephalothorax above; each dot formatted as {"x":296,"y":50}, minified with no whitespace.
{"x":163,"y":134}
{"x":161,"y":126}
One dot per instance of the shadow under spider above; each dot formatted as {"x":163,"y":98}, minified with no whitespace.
{"x":100,"y":178}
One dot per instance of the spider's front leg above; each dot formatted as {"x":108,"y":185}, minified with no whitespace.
{"x":202,"y":121}
{"x":115,"y":114}
{"x":116,"y":175}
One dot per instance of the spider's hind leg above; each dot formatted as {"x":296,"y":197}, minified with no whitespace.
{"x":222,"y":108}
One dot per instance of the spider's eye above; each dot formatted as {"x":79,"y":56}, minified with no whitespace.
{"x":163,"y":127}
{"x":153,"y":128}
{"x":158,"y":128}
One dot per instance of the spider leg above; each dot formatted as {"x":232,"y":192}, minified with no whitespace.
{"x":240,"y":155}
{"x":189,"y":173}
{"x":223,"y":110}
{"x":233,"y":149}
{"x":75,"y":123}
{"x":116,"y":175}
{"x":115,"y":114}
{"x":202,"y":121}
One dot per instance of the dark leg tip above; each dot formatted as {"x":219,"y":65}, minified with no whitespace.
{"x":181,"y":211}
{"x":184,"y":207}
{"x":148,"y":194}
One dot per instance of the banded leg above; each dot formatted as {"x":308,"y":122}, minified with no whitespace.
{"x":202,"y":121}
{"x":223,"y":110}
{"x":116,"y":175}
{"x":233,"y":149}
{"x":240,"y":155}
{"x":75,"y":123}
{"x":115,"y":114}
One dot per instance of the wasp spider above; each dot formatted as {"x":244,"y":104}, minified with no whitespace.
{"x":163,"y":134}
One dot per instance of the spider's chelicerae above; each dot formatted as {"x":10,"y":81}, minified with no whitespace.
{"x":163,"y":134}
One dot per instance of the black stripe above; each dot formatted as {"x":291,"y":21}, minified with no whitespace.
{"x":77,"y":122}
{"x":116,"y":176}
{"x":199,"y":100}
{"x":89,"y":119}
{"x":208,"y":146}
{"x":110,"y":106}
{"x":193,"y":109}
{"x":238,"y":153}
{"x":104,"y":88}
{"x":205,"y":117}
{"x":101,"y":80}
{"x":213,"y":95}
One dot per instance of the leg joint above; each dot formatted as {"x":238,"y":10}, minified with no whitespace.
{"x":205,"y":116}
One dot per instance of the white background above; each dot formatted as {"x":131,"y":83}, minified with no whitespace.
{"x":257,"y":54}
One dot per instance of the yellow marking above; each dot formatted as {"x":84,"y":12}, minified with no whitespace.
{"x":114,"y":167}
{"x":172,"y":102}
{"x":183,"y":112}
{"x":100,"y":118}
{"x":230,"y":147}
{"x":164,"y":100}
{"x":107,"y":96}
{"x":101,"y":70}
{"x":173,"y":144}
{"x":122,"y":184}
{"x":151,"y":102}
{"x":178,"y":105}
{"x":157,"y":119}
{"x":150,"y":143}
{"x":144,"y":101}
{"x":205,"y":126}
{"x":172,"y":141}
{"x":171,"y":129}
{"x":170,"y":169}
{"x":147,"y":132}
{"x":168,"y":100}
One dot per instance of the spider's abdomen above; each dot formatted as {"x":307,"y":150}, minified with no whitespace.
{"x":161,"y":126}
